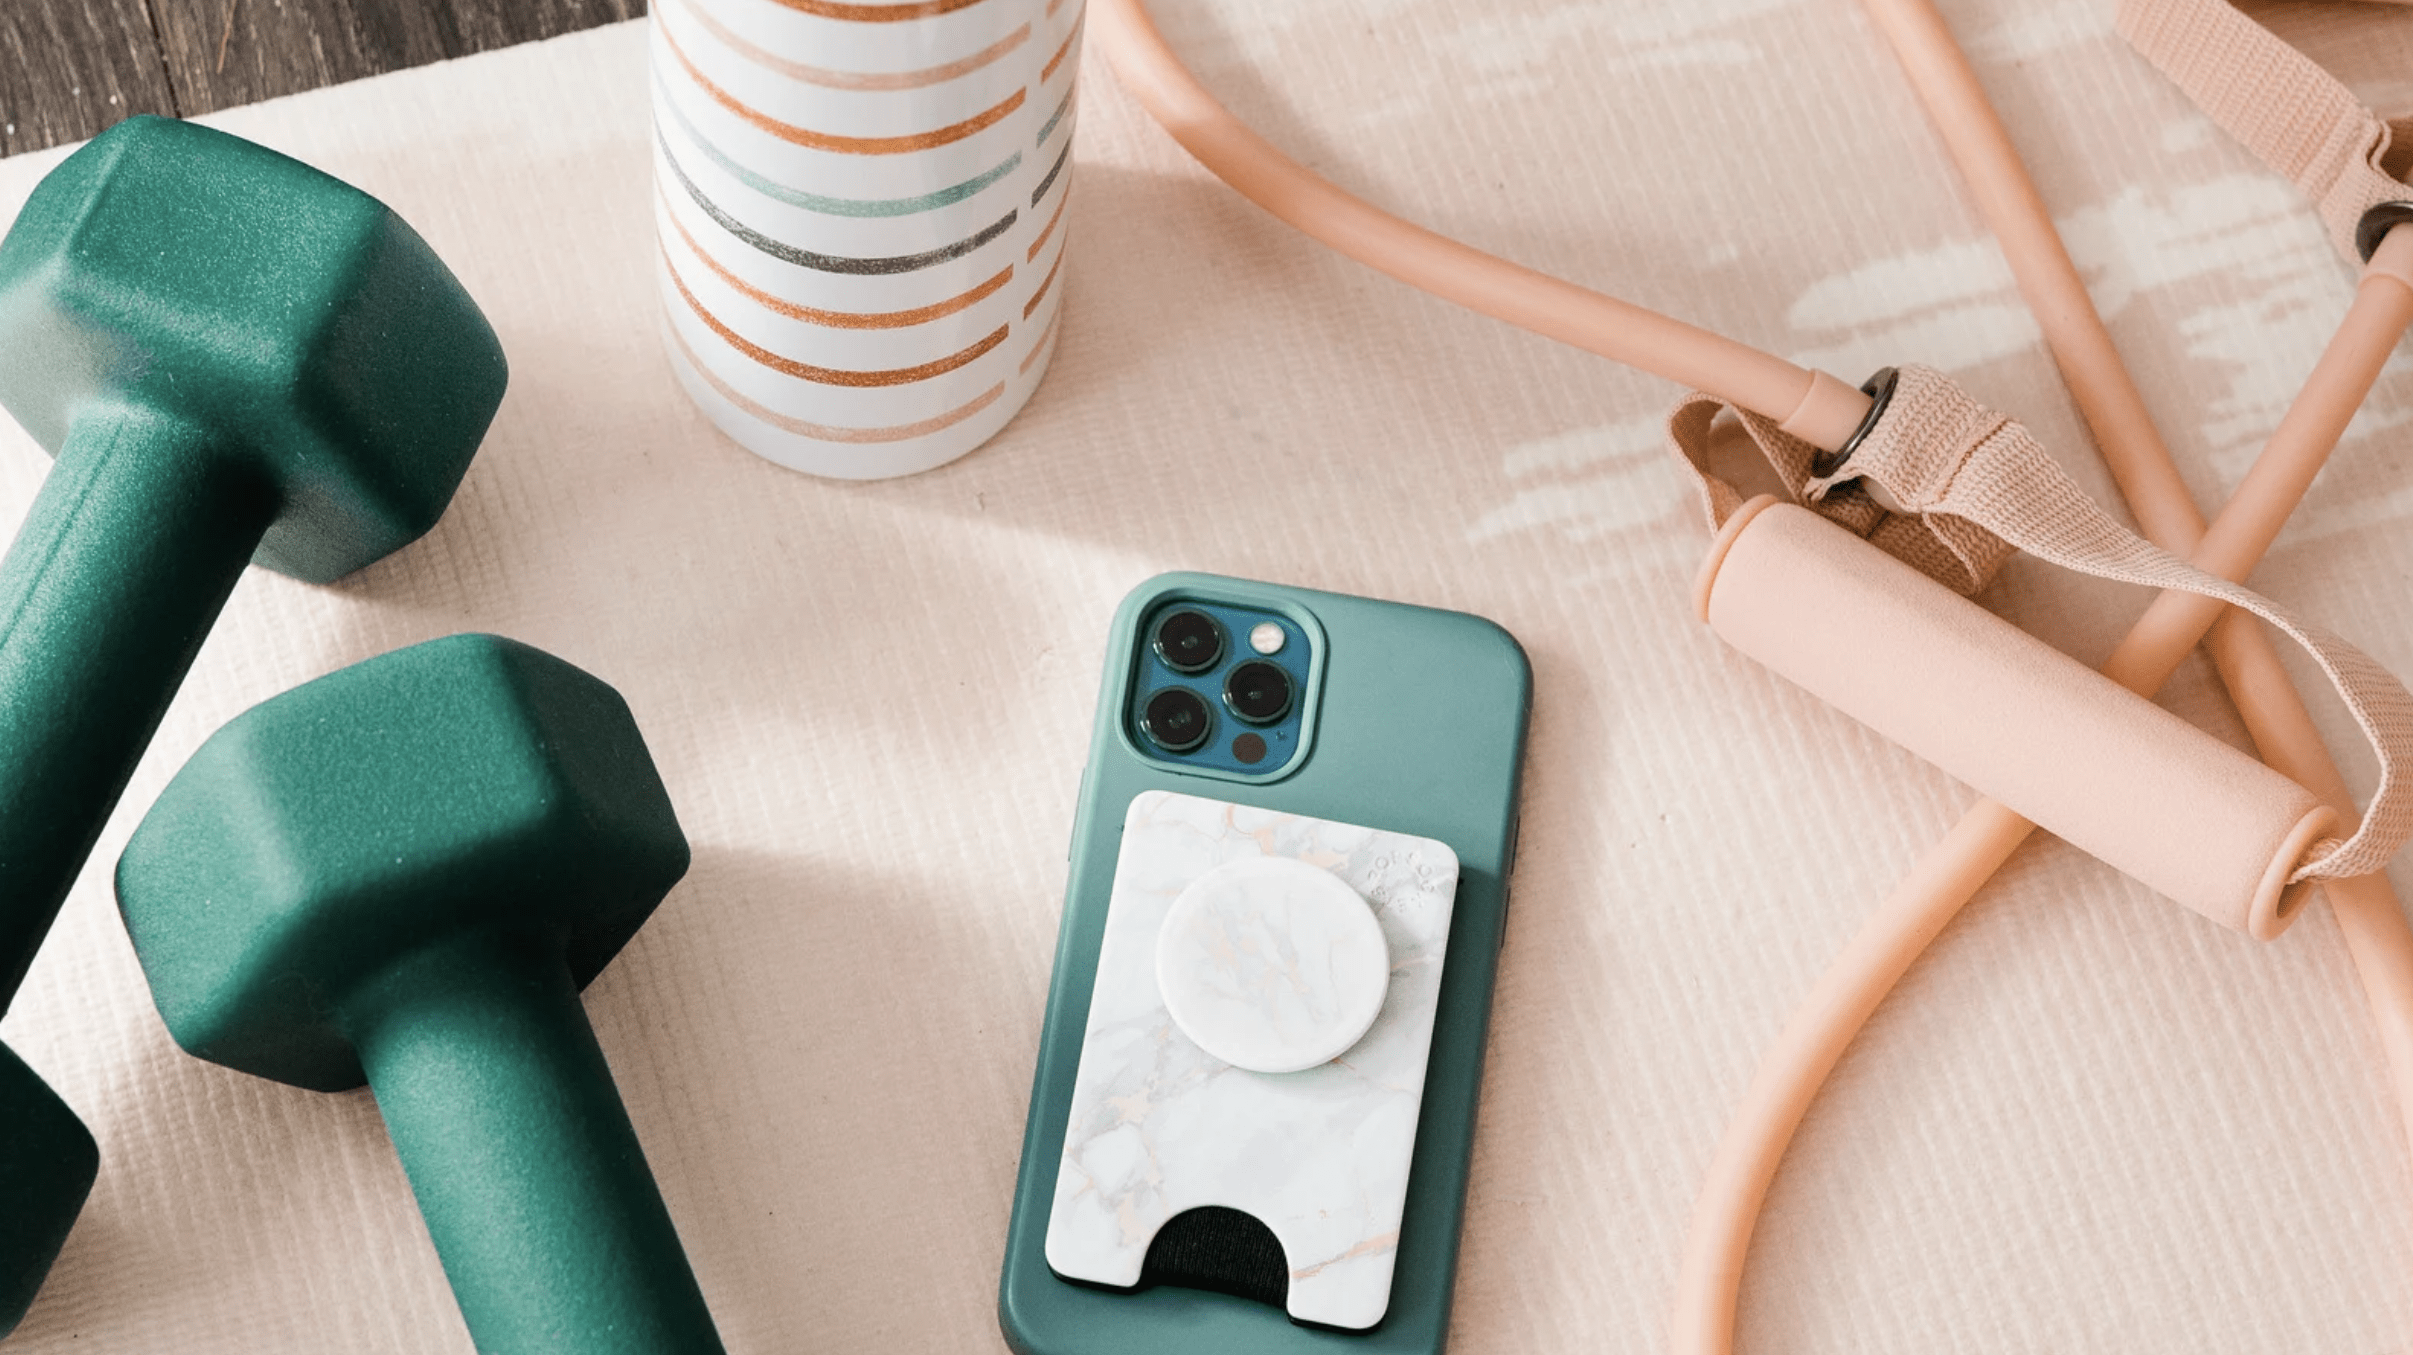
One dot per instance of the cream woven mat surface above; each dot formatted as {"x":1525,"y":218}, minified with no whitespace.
{"x":2090,"y":1122}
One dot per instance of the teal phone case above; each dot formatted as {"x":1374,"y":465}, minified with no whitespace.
{"x":1419,"y":721}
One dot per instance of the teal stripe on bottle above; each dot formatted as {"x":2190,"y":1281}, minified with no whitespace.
{"x":1063,"y":107}
{"x":833,"y":263}
{"x":827,"y":206}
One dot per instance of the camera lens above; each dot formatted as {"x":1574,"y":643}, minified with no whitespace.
{"x":1176,"y":719}
{"x":1188,"y":641}
{"x":1258,"y":692}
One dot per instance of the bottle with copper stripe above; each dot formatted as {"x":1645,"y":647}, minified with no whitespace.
{"x":860,"y":218}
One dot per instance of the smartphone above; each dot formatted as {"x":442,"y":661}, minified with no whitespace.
{"x":1290,"y":706}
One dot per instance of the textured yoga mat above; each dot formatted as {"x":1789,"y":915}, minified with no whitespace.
{"x":2090,"y":1121}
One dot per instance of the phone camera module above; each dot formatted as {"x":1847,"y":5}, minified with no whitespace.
{"x":1177,"y":719}
{"x":1258,"y":692}
{"x":1189,"y":641}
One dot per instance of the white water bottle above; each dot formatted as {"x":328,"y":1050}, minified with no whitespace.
{"x":860,"y":210}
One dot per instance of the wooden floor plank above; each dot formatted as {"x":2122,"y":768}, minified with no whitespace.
{"x":220,"y":53}
{"x":69,"y":68}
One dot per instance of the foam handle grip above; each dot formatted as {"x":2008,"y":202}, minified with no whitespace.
{"x":2051,"y":739}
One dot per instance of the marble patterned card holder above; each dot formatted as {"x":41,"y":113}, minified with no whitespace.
{"x":1307,"y":954}
{"x":859,"y":206}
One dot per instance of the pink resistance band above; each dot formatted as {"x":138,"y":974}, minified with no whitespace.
{"x":2280,"y":105}
{"x":2304,"y":123}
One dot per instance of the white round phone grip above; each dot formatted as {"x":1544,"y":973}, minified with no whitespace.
{"x":1272,"y":965}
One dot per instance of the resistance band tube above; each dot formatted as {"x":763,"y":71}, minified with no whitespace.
{"x":1812,"y":406}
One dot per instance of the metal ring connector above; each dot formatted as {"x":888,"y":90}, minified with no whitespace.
{"x":1879,"y":388}
{"x":2375,"y":224}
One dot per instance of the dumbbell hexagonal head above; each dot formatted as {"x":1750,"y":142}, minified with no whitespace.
{"x":470,"y":783}
{"x":174,"y":267}
{"x":47,"y":1160}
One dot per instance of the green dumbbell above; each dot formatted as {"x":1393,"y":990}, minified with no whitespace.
{"x":47,"y":1161}
{"x":405,"y":871}
{"x":233,"y":357}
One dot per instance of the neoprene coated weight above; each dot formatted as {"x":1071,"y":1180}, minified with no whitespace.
{"x":233,"y":357}
{"x":404,"y":872}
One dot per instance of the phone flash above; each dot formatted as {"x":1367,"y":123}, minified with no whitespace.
{"x":1266,"y":638}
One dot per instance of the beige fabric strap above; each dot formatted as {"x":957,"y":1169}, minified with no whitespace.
{"x":2281,"y":105}
{"x":1972,"y":485}
{"x":1953,"y":552}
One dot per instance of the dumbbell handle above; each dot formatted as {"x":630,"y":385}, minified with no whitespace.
{"x":534,"y":1189}
{"x":125,"y":560}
